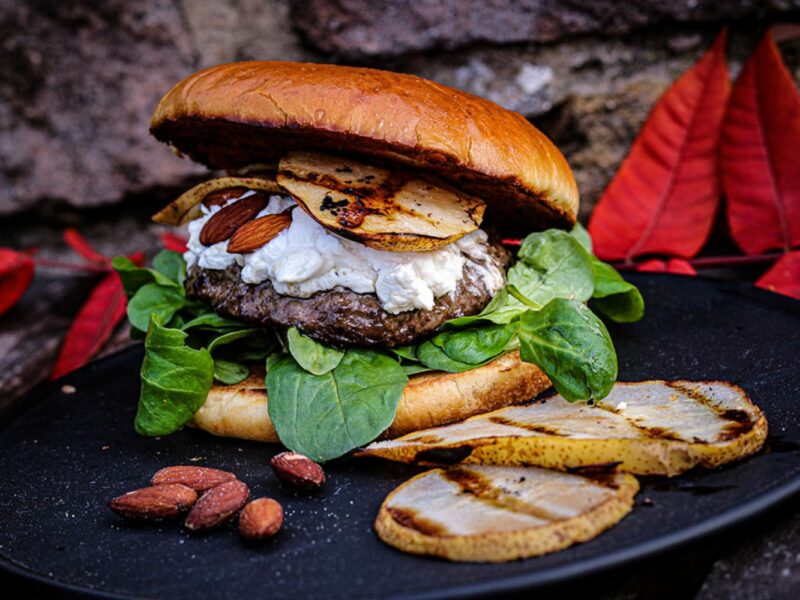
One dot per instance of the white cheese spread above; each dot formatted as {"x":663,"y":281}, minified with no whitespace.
{"x":305,"y":258}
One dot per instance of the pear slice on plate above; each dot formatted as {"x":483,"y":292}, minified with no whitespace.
{"x":497,"y":514}
{"x":186,"y":207}
{"x":647,"y":428}
{"x":380,"y":208}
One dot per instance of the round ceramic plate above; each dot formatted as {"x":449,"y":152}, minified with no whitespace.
{"x":66,"y":455}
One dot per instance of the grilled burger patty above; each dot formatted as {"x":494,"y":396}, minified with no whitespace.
{"x":338,"y":317}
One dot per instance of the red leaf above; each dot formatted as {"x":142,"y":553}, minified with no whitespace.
{"x":673,"y":265}
{"x":79,"y":244}
{"x":664,"y":196}
{"x":761,"y":154}
{"x":173,"y":242}
{"x":93,"y":325}
{"x":16,"y":274}
{"x":784,"y":276}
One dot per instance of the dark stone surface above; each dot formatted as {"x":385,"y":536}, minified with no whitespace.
{"x":357,"y":29}
{"x":78,"y":83}
{"x":766,"y":568}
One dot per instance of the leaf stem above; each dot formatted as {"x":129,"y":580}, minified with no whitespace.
{"x":84,"y":268}
{"x":710,"y":262}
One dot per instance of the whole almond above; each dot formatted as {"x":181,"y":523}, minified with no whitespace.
{"x":254,"y":234}
{"x":217,"y":505}
{"x":261,"y":519}
{"x":227,"y":220}
{"x":298,"y":471}
{"x":221,"y":197}
{"x":197,"y":478}
{"x":154,"y":503}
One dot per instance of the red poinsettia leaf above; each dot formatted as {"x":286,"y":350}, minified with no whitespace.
{"x":16,"y":274}
{"x":79,"y":244}
{"x":137,"y":258}
{"x":678,"y":266}
{"x":664,"y":197}
{"x":93,"y":325}
{"x":761,"y":154}
{"x":784,"y":276}
{"x":173,"y":242}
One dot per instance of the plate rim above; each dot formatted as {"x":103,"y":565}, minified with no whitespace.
{"x":576,"y":570}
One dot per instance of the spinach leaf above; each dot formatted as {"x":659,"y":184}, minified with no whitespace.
{"x":584,"y":239}
{"x":613,"y":296}
{"x":133,"y":277}
{"x":433,"y":357}
{"x":552,"y":264}
{"x":414,"y":369}
{"x":212,"y":321}
{"x":407,"y":352}
{"x":273,"y":359}
{"x":229,"y":372}
{"x":572,"y":346}
{"x":154,"y":299}
{"x":231,"y":336}
{"x":476,"y":345}
{"x":314,"y":357}
{"x":502,"y":309}
{"x":326,"y":416}
{"x":171,"y":265}
{"x":175,"y":380}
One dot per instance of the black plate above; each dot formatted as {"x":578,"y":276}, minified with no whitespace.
{"x":62,"y":459}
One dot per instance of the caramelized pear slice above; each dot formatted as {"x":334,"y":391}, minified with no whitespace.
{"x":186,"y":207}
{"x":497,"y":514}
{"x":383,"y":209}
{"x":648,"y":428}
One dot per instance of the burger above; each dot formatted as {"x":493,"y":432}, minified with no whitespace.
{"x":352,"y":269}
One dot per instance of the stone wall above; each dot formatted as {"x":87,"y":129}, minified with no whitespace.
{"x":81,"y":78}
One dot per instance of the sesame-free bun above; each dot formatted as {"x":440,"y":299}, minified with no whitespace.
{"x":246,"y":113}
{"x":428,"y":400}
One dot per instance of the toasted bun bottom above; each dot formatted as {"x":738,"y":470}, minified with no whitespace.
{"x":428,"y":400}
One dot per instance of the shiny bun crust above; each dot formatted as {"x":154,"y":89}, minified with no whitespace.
{"x":428,"y":400}
{"x":244,"y":113}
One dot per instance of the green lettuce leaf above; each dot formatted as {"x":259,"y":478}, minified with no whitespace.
{"x":572,"y":346}
{"x":552,"y":264}
{"x":229,"y":372}
{"x":613,"y":296}
{"x":475,"y":346}
{"x":175,"y":380}
{"x":133,"y":277}
{"x":326,"y":416}
{"x":171,"y":265}
{"x":157,"y":300}
{"x":314,"y":357}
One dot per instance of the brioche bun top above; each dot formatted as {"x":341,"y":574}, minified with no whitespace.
{"x":238,"y":114}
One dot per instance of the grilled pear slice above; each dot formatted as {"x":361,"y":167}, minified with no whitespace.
{"x":647,"y":428}
{"x":497,"y":514}
{"x":387,"y":210}
{"x":186,"y":207}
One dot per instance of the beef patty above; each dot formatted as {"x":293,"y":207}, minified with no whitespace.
{"x":339,"y":316}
